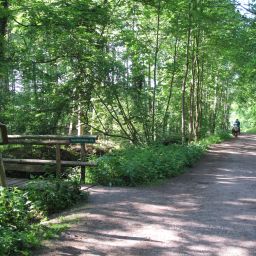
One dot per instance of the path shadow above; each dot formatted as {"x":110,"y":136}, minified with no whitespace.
{"x":210,"y":210}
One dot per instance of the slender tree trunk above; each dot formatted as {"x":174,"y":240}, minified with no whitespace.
{"x":155,"y":72}
{"x":71,"y":121}
{"x":4,"y":87}
{"x":165,"y":119}
{"x":192,"y":97}
{"x":199,"y":118}
{"x":79,"y":121}
{"x":184,"y":83}
{"x":149,"y":75}
{"x":215,"y":106}
{"x":198,"y":87}
{"x":226,"y":110}
{"x":92,"y":120}
{"x":113,"y":113}
{"x":133,"y":131}
{"x":34,"y":79}
{"x":3,"y":27}
{"x":70,"y":127}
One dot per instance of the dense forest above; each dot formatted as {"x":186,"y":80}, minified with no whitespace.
{"x":162,"y":78}
{"x":137,"y":70}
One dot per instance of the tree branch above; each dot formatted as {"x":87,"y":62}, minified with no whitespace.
{"x":108,"y":134}
{"x":25,"y":25}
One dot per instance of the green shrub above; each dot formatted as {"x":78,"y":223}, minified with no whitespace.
{"x":17,"y":215}
{"x":16,"y":209}
{"x":251,"y":131}
{"x":214,"y":139}
{"x":53,"y":195}
{"x":142,"y":165}
{"x":20,"y":242}
{"x":21,"y":211}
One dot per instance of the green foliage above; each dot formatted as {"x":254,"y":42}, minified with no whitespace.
{"x":214,"y":139}
{"x":122,"y":79}
{"x":16,"y":209}
{"x":142,"y":165}
{"x":251,"y":131}
{"x":17,"y":214}
{"x":20,"y":242}
{"x":21,"y":211}
{"x":53,"y":195}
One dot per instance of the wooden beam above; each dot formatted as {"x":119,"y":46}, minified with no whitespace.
{"x":37,"y":142}
{"x":50,"y":137}
{"x":50,"y":162}
{"x":2,"y":173}
{"x":36,"y":168}
{"x":58,"y":161}
{"x":17,"y":182}
{"x":3,"y":134}
{"x":82,"y":154}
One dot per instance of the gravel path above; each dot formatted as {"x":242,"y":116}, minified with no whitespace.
{"x":210,"y":210}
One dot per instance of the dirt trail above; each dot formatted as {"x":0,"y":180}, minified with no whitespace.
{"x":210,"y":210}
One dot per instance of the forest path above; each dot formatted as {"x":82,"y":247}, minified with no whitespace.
{"x":210,"y":210}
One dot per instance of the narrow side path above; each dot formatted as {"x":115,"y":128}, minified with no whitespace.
{"x":210,"y":210}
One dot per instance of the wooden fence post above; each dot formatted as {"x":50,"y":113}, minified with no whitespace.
{"x":82,"y":154}
{"x":2,"y":173}
{"x":58,"y":161}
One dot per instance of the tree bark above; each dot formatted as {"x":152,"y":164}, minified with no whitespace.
{"x":184,"y":83}
{"x":4,"y":87}
{"x":192,"y":96}
{"x":165,"y":119}
{"x":155,"y":72}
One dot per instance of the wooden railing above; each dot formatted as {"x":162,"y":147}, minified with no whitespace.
{"x":37,"y":165}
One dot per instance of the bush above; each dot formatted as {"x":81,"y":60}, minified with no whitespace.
{"x":21,"y":211}
{"x":251,"y":131}
{"x":53,"y":195}
{"x":142,"y":165}
{"x":16,"y":209}
{"x":214,"y":139}
{"x":17,"y":215}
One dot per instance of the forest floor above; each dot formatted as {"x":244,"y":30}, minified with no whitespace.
{"x":209,"y":210}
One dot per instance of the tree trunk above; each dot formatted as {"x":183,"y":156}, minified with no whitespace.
{"x":199,"y":64}
{"x":79,"y":121}
{"x":184,"y":83}
{"x":155,"y":72}
{"x":166,"y":115}
{"x":215,"y":107}
{"x":4,"y":87}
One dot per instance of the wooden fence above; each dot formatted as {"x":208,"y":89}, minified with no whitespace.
{"x":38,"y":165}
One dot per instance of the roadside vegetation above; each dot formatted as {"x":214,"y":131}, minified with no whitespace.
{"x":23,"y":212}
{"x":251,"y":131}
{"x":133,"y":165}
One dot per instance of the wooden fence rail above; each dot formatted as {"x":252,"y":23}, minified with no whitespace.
{"x":2,"y":173}
{"x":37,"y":165}
{"x":49,"y":162}
{"x":51,"y":139}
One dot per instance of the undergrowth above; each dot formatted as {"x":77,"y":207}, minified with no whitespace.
{"x":143,"y":165}
{"x":23,"y":210}
{"x":251,"y":130}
